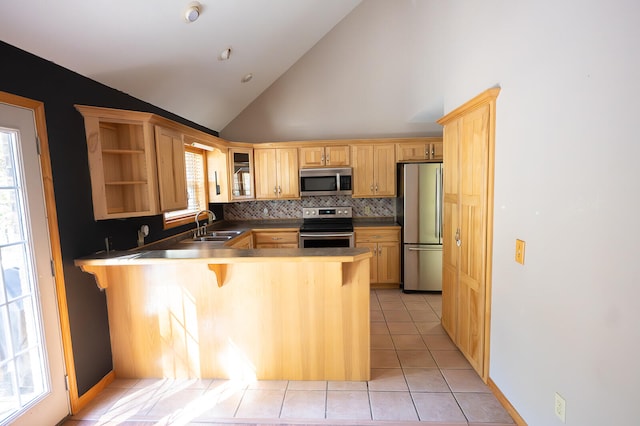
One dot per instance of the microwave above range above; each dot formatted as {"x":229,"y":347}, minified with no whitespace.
{"x":326,"y":181}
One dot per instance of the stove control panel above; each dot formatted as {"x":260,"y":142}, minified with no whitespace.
{"x":327,"y":212}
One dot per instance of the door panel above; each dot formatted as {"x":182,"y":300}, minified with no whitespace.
{"x":32,"y":373}
{"x":172,"y":175}
{"x":473,"y":182}
{"x":265,"y":171}
{"x":287,"y":169}
{"x":450,"y":226}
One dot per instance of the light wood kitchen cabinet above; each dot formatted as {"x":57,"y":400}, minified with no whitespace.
{"x":122,"y":163}
{"x":419,"y":151}
{"x":244,"y":241}
{"x":241,"y":171}
{"x":276,"y":172}
{"x":172,"y":176}
{"x":324,"y":156}
{"x":275,"y":239}
{"x":374,"y":170}
{"x":468,"y":226}
{"x":384,"y":244}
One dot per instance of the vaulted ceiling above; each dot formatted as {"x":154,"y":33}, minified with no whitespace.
{"x":147,"y":48}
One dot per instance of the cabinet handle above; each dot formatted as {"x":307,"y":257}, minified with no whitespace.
{"x":379,"y":252}
{"x":433,"y":151}
{"x":276,"y":238}
{"x":371,"y":187}
{"x":426,"y":153}
{"x":376,"y":187}
{"x":458,"y":240}
{"x":275,"y":190}
{"x":279,"y":190}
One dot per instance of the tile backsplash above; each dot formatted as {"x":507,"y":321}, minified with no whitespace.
{"x":292,"y":209}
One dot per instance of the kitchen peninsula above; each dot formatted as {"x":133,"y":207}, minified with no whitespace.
{"x":204,"y":311}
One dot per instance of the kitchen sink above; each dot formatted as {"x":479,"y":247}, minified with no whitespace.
{"x":213,"y":238}
{"x":230,"y":234}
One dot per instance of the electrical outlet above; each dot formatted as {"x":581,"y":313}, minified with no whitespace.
{"x":367,"y":210}
{"x":560,"y":407}
{"x":520,"y":251}
{"x":266,"y":211}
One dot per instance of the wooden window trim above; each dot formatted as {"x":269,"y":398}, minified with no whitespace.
{"x":190,"y":217}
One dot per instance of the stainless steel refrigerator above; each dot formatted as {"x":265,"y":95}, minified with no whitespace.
{"x":419,"y":211}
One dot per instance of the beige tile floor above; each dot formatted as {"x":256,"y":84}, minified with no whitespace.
{"x":417,"y":377}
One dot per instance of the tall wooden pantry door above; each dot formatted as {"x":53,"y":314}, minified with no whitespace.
{"x":468,"y":226}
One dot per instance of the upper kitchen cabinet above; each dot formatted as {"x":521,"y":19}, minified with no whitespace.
{"x":276,"y":173}
{"x":324,"y":156}
{"x":172,"y":178}
{"x":138,"y":166}
{"x":241,"y":173}
{"x":122,"y":162}
{"x":429,"y":150}
{"x":374,"y":170}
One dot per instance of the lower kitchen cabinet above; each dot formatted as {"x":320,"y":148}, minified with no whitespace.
{"x":384,"y":244}
{"x":275,"y":239}
{"x":243,"y":242}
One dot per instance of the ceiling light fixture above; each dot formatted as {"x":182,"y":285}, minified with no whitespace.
{"x":247,"y":78}
{"x":225,"y":54}
{"x":193,"y":12}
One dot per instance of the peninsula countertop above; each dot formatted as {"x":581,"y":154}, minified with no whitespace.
{"x":205,"y":252}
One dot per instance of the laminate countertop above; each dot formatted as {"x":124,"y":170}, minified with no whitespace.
{"x":213,"y":253}
{"x":182,"y":248}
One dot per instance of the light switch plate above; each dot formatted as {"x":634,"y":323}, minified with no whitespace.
{"x":520,"y":251}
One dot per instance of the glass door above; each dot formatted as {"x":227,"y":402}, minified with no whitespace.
{"x":32,"y":384}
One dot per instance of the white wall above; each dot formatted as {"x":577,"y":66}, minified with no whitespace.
{"x":567,"y":175}
{"x":364,"y":78}
{"x":567,"y":182}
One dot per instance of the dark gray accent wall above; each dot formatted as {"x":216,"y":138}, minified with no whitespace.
{"x":59,"y":89}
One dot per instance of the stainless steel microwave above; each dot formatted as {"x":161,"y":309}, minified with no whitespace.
{"x":335,"y":181}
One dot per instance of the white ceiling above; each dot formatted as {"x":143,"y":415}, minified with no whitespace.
{"x":147,"y":49}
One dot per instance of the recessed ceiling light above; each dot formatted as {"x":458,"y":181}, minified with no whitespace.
{"x":247,"y":78}
{"x":192,"y":13}
{"x":225,"y":54}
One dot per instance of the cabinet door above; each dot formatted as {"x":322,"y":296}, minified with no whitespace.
{"x":388,"y":262}
{"x":336,"y":156}
{"x":362,"y":162}
{"x":266,"y":175}
{"x":384,"y":161}
{"x":287,"y":173}
{"x":241,"y":173}
{"x":312,"y":156}
{"x":413,"y":151}
{"x":435,"y":151}
{"x":373,"y":268}
{"x":172,"y":177}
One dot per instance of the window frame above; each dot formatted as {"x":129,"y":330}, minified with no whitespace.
{"x":190,"y":217}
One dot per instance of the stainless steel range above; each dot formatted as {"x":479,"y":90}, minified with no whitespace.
{"x":326,"y":227}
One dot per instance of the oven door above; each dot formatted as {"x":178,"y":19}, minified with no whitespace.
{"x":326,"y":239}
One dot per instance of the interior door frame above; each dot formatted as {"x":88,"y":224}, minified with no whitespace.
{"x":54,"y":236}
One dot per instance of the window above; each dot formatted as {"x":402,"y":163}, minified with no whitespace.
{"x":197,"y":191}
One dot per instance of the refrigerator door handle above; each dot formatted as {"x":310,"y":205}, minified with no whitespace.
{"x":435,"y":248}
{"x":438,"y":204}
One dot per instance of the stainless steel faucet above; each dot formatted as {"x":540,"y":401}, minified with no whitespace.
{"x":201,"y":230}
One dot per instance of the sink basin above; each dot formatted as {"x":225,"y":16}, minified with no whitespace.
{"x":223,"y":233}
{"x":213,"y":238}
